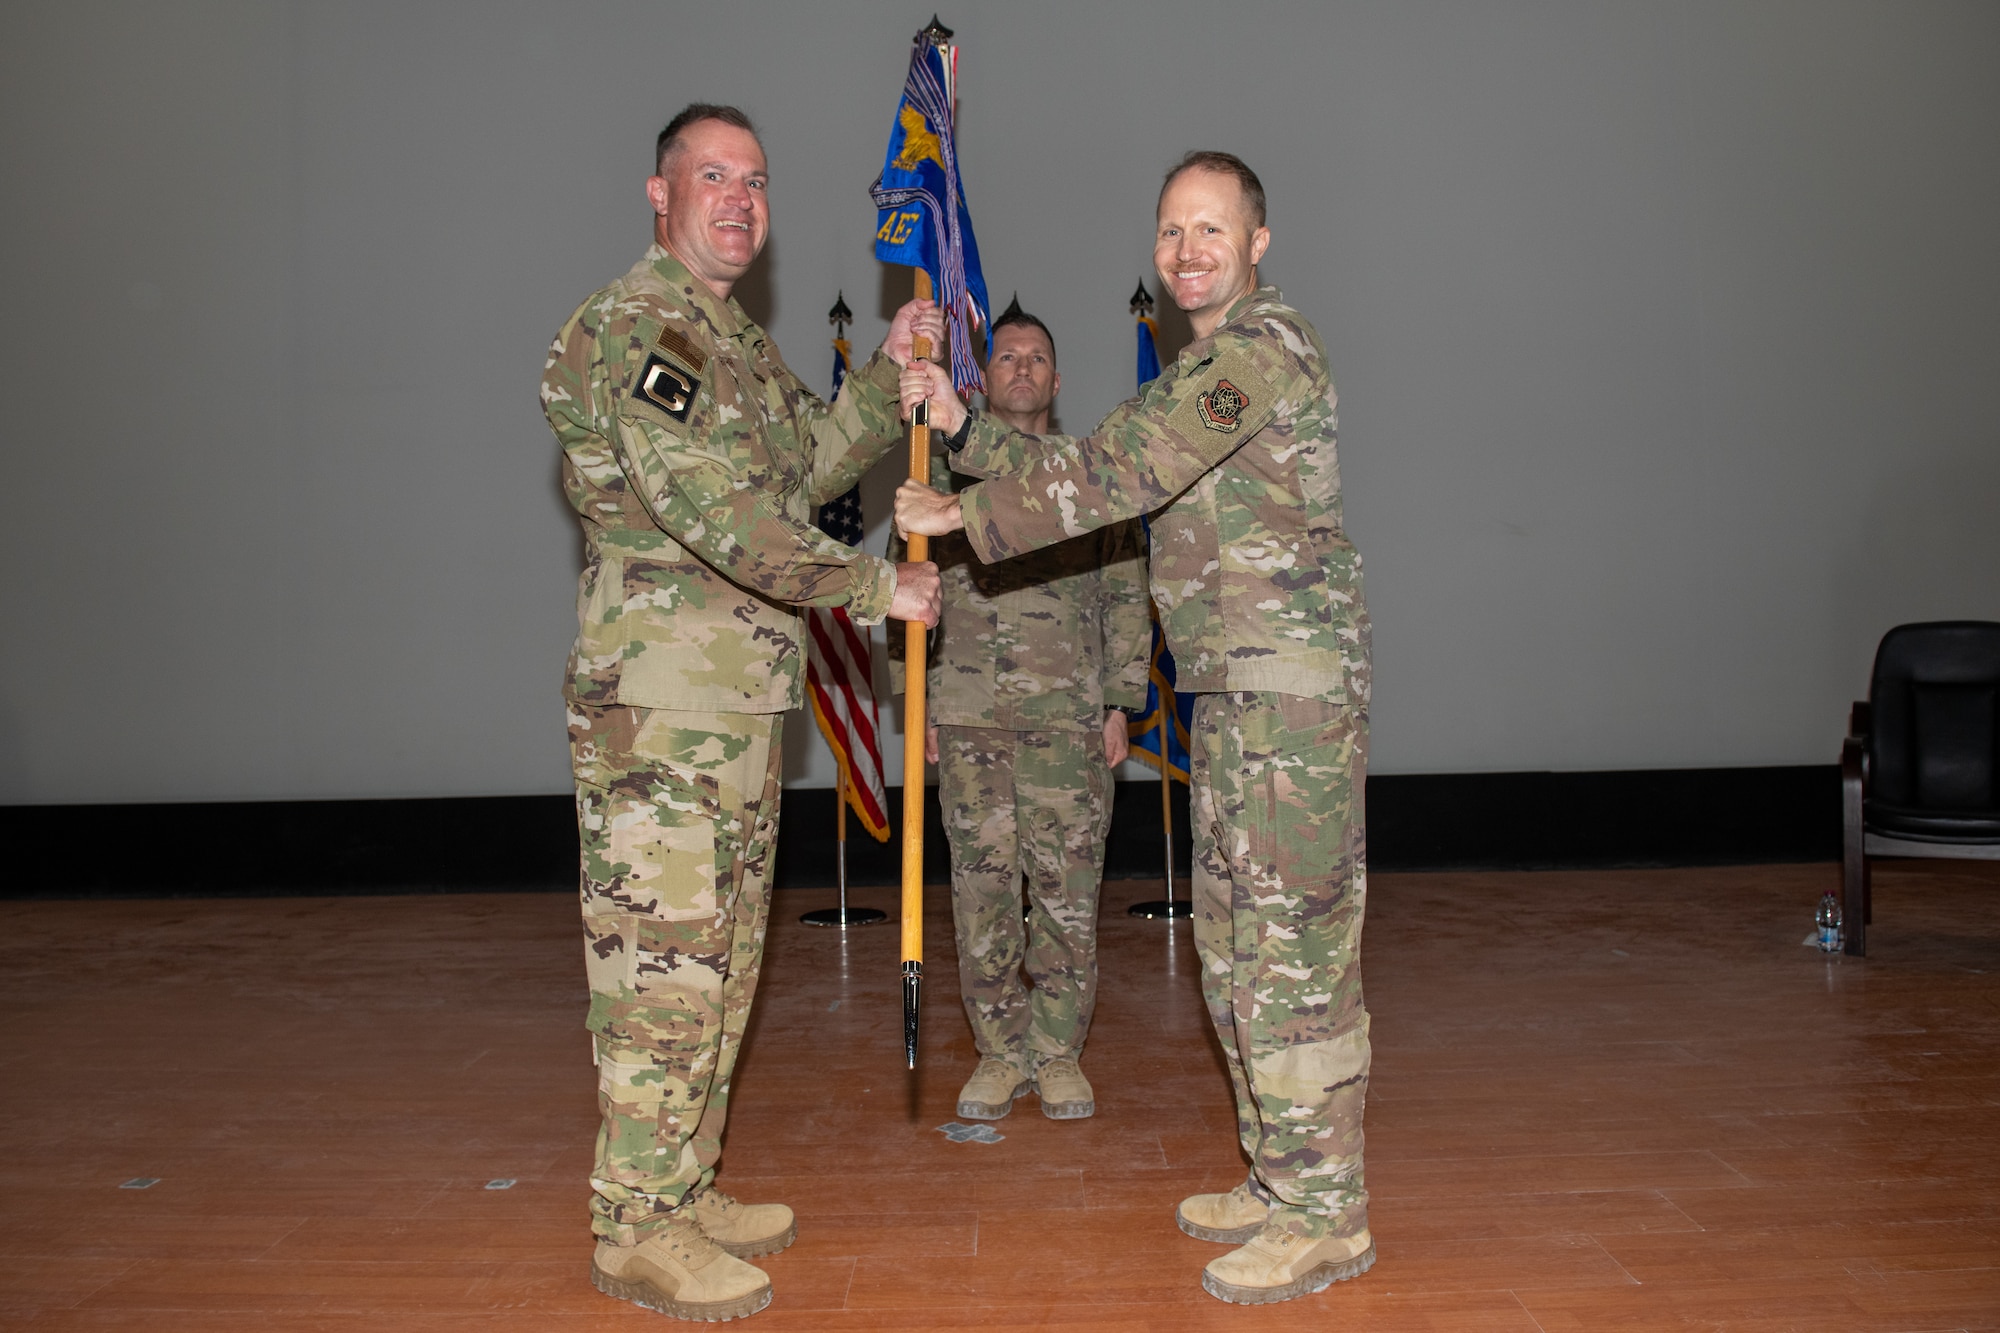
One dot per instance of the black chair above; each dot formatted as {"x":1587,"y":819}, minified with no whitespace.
{"x":1920,"y":772}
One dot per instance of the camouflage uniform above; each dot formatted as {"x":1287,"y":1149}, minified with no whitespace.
{"x":1029,"y":654}
{"x":1233,"y":452}
{"x":693,"y":458}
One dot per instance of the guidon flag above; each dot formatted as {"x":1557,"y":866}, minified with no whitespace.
{"x":1145,"y":730}
{"x":922,"y":220}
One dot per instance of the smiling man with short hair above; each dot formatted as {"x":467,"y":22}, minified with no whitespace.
{"x":1232,"y":452}
{"x":694,"y":459}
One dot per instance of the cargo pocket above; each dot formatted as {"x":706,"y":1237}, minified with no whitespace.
{"x":655,"y":1004}
{"x":647,"y":1106}
{"x":655,"y":942}
{"x":649,"y":845}
{"x":1305,"y":800}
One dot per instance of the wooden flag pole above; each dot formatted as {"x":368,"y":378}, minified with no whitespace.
{"x":916,"y":657}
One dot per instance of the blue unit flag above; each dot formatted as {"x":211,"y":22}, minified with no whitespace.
{"x":1145,"y":729}
{"x":1149,"y":353}
{"x":922,"y":220}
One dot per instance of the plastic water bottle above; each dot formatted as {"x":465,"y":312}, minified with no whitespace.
{"x":1827,"y":918}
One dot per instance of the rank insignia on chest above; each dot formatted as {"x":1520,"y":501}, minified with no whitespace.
{"x":667,"y":386}
{"x":1221,"y":408}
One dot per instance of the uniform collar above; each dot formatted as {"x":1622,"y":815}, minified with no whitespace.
{"x":1254,"y":297}
{"x":1240,"y":307}
{"x":723,"y":314}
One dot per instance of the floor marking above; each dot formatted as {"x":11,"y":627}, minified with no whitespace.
{"x":958,"y":1133}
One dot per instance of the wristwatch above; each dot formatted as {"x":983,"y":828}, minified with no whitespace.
{"x":956,"y":440}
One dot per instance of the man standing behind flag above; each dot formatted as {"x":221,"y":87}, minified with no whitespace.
{"x":1035,"y":666}
{"x":1233,"y":453}
{"x":693,"y":457}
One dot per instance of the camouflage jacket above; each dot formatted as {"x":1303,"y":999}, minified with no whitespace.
{"x":1232,"y":451}
{"x":694,"y":457}
{"x":1042,"y":642}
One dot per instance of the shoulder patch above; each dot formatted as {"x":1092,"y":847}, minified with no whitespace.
{"x":1221,"y":407}
{"x":666,"y":386}
{"x":675,"y":344}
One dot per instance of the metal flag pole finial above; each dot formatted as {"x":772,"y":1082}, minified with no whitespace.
{"x":935,"y":33}
{"x":840,"y":316}
{"x":1142,"y":301}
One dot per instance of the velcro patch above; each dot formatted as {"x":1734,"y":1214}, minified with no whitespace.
{"x":676,"y":345}
{"x":1221,"y":408}
{"x":669,"y":387}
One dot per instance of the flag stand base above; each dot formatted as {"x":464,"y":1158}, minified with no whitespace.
{"x":844,"y":917}
{"x":1162,"y":909}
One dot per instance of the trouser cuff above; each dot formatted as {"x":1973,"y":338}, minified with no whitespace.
{"x":635,"y":1225}
{"x":1316,"y":1225}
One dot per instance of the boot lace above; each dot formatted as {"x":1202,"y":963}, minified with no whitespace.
{"x":1278,"y":1238}
{"x":690,"y":1245}
{"x":715,"y":1200}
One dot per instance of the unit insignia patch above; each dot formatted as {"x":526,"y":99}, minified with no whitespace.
{"x":667,"y":386}
{"x":1221,"y":408}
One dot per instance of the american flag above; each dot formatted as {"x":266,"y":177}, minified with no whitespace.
{"x":840,"y":672}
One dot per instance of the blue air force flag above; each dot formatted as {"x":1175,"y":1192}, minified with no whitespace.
{"x":1149,"y":353}
{"x":922,"y":220}
{"x":1166,"y":710}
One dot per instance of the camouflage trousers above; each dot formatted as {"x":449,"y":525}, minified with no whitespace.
{"x":676,"y":813}
{"x":1033,"y":803}
{"x":1280,"y":882}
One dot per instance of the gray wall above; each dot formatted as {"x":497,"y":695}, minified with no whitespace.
{"x":1667,"y":334}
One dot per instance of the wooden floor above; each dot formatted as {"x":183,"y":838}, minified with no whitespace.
{"x":1601,"y":1101}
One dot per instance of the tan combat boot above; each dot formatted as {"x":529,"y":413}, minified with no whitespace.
{"x":1281,"y":1265}
{"x":1064,"y":1091}
{"x":679,"y":1271}
{"x":1228,"y":1219}
{"x":746,"y":1230}
{"x":990,"y":1092}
